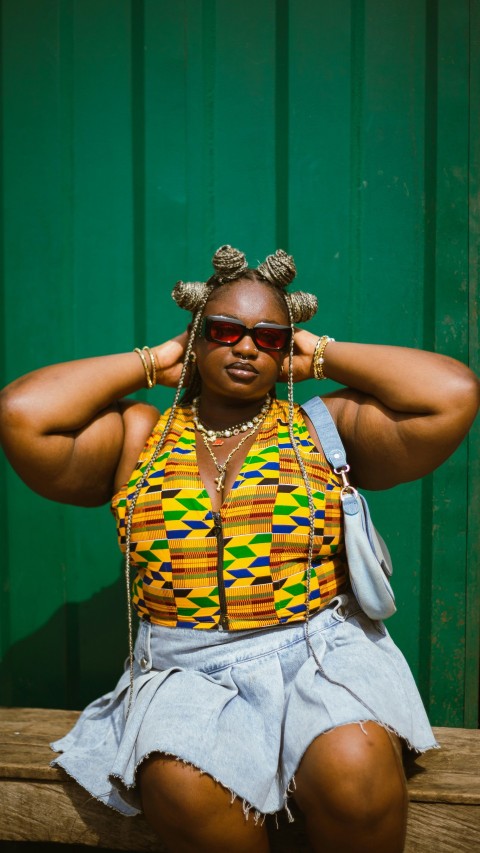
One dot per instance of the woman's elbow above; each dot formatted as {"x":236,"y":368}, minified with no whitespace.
{"x":463,"y":397}
{"x":12,"y":409}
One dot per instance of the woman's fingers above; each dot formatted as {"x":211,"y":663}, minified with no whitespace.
{"x":169,"y":357}
{"x":304,"y":346}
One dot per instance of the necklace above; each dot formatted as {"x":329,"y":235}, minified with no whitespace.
{"x":222,"y":466}
{"x":216,"y":436}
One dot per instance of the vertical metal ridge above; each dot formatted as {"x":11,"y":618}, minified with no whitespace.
{"x":137,"y":58}
{"x":3,"y":318}
{"x":429,"y":261}
{"x":66,"y":84}
{"x":5,"y":608}
{"x":70,"y":531}
{"x":2,"y":191}
{"x":472,"y":585}
{"x":209,"y":19}
{"x":430,"y":171}
{"x":282,"y":129}
{"x":357,"y":85}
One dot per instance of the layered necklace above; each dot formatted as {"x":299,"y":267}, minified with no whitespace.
{"x":216,"y":436}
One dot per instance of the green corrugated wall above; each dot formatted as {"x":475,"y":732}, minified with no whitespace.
{"x":139,"y":136}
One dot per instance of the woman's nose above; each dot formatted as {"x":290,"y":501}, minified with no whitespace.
{"x":245,"y":346}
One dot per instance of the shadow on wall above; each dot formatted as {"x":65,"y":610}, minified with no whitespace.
{"x":76,"y":656}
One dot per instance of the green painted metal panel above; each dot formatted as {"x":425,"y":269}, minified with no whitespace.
{"x":138,"y":135}
{"x":472,"y":578}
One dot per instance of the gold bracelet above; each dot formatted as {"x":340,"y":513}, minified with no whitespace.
{"x":318,"y":356}
{"x":145,"y":366}
{"x":153,"y":376}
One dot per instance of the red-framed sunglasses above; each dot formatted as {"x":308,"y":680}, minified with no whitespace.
{"x":226,"y":332}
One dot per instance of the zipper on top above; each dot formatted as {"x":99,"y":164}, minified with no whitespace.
{"x":218,"y":532}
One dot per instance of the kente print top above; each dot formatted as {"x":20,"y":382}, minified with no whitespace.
{"x":245,"y":566}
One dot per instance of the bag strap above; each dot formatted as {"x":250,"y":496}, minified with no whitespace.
{"x":333,"y":449}
{"x":353,"y":502}
{"x":326,"y":431}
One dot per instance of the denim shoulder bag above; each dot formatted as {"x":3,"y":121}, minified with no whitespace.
{"x":369,"y":561}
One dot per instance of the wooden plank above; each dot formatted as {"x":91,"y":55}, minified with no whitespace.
{"x":25,"y":735}
{"x":58,"y":810}
{"x":447,"y":775}
{"x":444,"y":787}
{"x":41,"y":811}
{"x":443,"y":828}
{"x":27,"y":809}
{"x":32,"y":720}
{"x":26,"y":762}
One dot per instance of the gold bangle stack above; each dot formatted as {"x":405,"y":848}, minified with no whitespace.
{"x":149,"y":368}
{"x":318,"y":356}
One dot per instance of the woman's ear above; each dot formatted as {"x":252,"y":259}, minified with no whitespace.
{"x":283,"y":368}
{"x":191,"y":369}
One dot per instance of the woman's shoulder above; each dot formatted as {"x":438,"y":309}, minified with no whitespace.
{"x":144,"y":424}
{"x":140,"y":420}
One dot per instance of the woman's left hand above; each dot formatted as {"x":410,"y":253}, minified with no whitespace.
{"x":304,"y":346}
{"x":169,"y":358}
{"x":401,"y":411}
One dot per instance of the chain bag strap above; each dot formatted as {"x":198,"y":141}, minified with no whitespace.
{"x":369,"y":561}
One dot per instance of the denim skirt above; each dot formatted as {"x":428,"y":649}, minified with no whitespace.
{"x":243,"y":706}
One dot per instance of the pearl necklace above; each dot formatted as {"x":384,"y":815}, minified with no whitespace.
{"x":216,"y":436}
{"x":221,"y":467}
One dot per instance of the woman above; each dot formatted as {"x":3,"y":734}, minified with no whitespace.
{"x":230,"y":704}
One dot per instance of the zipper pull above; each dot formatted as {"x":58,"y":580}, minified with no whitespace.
{"x":223,"y":624}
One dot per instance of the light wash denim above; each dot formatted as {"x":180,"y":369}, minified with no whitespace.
{"x":243,"y":706}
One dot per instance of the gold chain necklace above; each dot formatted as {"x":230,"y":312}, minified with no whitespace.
{"x":222,"y":466}
{"x":216,"y":436}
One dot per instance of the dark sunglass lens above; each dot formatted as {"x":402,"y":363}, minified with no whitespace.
{"x":224,"y":332}
{"x":271,"y":338}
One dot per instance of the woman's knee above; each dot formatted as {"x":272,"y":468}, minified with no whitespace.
{"x":354,"y":775}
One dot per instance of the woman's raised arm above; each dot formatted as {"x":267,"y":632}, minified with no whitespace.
{"x":65,"y":429}
{"x":403,"y":411}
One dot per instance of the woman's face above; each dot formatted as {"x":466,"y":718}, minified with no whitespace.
{"x":241,"y":371}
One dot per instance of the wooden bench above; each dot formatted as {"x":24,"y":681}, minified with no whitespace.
{"x":41,"y":803}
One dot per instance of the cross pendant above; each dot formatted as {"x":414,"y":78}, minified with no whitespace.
{"x":219,"y":481}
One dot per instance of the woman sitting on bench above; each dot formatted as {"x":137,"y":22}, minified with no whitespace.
{"x":255,"y":675}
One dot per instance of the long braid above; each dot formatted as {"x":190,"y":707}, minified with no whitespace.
{"x":141,"y":480}
{"x":308,"y":487}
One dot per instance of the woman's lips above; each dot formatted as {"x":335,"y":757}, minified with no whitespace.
{"x":241,"y":370}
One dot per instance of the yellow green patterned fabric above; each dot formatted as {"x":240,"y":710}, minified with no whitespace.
{"x":244,"y":567}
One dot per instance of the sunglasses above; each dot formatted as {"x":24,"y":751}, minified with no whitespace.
{"x":225,"y":331}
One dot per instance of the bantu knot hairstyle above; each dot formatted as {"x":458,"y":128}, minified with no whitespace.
{"x":191,"y":294}
{"x":230,"y":264}
{"x":279,"y":269}
{"x":303,"y":306}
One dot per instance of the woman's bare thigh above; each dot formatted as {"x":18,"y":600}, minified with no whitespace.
{"x":193,"y":812}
